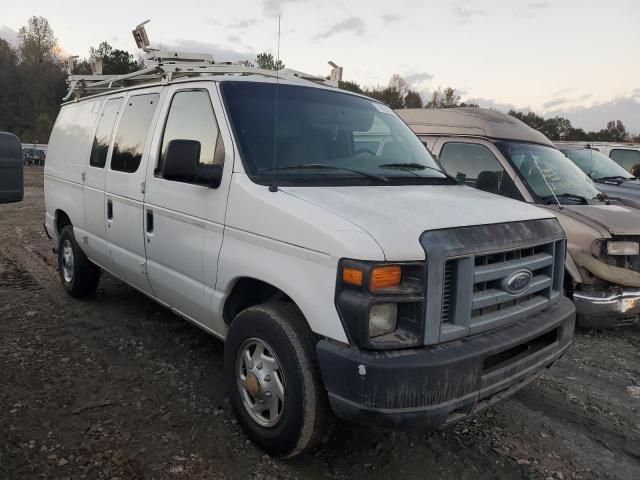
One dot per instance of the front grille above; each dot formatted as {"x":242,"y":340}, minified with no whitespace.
{"x":483,"y":275}
{"x":466,"y":269}
{"x":447,"y":291}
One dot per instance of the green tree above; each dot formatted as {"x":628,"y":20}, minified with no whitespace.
{"x":114,"y":61}
{"x":617,"y":131}
{"x":351,"y":87}
{"x":8,"y":86}
{"x":412,"y":100}
{"x":37,"y":42}
{"x":390,"y":96}
{"x":41,"y":81}
{"x":447,"y":98}
{"x":265,"y":60}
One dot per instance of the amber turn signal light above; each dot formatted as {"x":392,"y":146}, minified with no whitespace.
{"x":352,"y":276}
{"x":385,"y":277}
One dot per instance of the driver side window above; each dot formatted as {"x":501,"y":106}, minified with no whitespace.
{"x":474,"y":165}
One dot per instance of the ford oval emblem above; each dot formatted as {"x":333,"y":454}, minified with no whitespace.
{"x":517,"y":282}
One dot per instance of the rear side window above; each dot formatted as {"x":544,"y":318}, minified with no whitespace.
{"x":191,"y":117}
{"x":104,"y":131}
{"x":132,"y":132}
{"x":626,"y":158}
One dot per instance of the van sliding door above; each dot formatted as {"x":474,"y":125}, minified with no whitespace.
{"x":124,"y":192}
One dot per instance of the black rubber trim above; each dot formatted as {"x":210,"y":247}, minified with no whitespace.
{"x":431,"y":386}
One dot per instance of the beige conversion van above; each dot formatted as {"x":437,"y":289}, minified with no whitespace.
{"x":497,"y":153}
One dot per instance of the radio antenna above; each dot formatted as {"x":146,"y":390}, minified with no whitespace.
{"x":274,"y":186}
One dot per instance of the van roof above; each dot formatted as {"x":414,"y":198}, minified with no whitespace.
{"x":470,"y":121}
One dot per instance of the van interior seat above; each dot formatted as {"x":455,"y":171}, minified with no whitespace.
{"x":489,"y":181}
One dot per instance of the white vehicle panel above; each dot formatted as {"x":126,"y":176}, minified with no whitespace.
{"x":69,"y":147}
{"x":396,"y":216}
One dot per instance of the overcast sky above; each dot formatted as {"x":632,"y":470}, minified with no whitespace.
{"x":574,"y":58}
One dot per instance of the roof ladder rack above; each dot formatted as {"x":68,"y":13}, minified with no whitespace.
{"x":165,"y":66}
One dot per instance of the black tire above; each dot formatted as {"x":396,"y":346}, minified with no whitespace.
{"x":80,"y":279}
{"x":306,"y":418}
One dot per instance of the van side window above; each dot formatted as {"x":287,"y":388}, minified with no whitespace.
{"x":104,"y":132}
{"x":474,"y":165}
{"x":191,"y":117}
{"x":625,"y":158}
{"x":132,"y":132}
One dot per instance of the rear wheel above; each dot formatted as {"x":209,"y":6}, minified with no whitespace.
{"x":78,"y":274}
{"x":273,"y":380}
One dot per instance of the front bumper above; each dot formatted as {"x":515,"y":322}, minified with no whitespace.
{"x":430,"y":387}
{"x":609,"y":308}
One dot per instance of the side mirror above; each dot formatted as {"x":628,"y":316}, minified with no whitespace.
{"x":182,"y":164}
{"x":11,"y":169}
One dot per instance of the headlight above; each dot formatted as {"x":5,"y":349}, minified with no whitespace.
{"x":383,"y":319}
{"x":623,"y":248}
{"x":381,"y":305}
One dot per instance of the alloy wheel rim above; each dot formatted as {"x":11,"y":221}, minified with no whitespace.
{"x":261,"y":382}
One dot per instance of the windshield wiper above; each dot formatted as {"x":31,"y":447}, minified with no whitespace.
{"x":314,"y":166}
{"x":614,"y":177}
{"x":568,"y":196}
{"x":411,"y":166}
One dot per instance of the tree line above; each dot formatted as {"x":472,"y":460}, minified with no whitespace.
{"x":33,"y":81}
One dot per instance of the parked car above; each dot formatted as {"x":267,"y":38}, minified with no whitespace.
{"x":610,"y":177}
{"x":11,"y":169}
{"x":627,"y":155}
{"x":345,"y":279}
{"x":497,"y":153}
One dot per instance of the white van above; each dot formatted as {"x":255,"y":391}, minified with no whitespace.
{"x":309,"y":229}
{"x":627,"y":155}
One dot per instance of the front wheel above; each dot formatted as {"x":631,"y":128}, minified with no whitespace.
{"x":273,"y":380}
{"x":78,"y":274}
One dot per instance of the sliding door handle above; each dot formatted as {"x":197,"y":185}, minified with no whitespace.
{"x":149,"y":221}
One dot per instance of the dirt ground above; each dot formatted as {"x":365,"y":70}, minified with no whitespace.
{"x":116,"y":387}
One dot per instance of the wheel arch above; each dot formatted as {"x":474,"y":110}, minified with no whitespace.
{"x":61,"y":220}
{"x":249,"y":291}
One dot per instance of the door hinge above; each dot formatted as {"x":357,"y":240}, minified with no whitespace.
{"x":143,"y":268}
{"x":143,"y":186}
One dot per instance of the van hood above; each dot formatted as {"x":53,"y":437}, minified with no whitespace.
{"x":396,"y":216}
{"x":608,"y":219}
{"x":628,"y":191}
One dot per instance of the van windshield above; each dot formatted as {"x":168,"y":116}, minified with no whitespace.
{"x":322,"y":137}
{"x":549,"y":174}
{"x":595,"y":164}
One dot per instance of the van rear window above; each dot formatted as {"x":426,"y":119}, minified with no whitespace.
{"x":103,"y":133}
{"x":132,"y":132}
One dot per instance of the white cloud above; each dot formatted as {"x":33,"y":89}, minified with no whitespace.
{"x":595,"y":117}
{"x":390,"y":18}
{"x":242,"y":24}
{"x":351,"y":24}
{"x":275,"y":7}
{"x":417,"y":78}
{"x":465,"y":13}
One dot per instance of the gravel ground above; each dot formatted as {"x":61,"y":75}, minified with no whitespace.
{"x":116,"y":387}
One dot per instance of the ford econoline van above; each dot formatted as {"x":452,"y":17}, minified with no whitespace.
{"x":498,"y":153}
{"x":309,"y":229}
